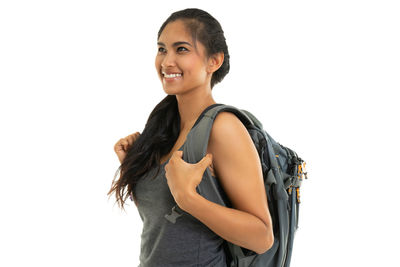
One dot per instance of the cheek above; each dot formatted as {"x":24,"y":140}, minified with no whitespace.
{"x":193,"y":68}
{"x":157,"y":62}
{"x":190,"y":63}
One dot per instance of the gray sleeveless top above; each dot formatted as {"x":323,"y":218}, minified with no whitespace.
{"x":187,"y":242}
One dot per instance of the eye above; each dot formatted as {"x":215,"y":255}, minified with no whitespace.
{"x":183,"y":48}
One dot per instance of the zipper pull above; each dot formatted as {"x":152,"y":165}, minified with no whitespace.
{"x":298,"y":194}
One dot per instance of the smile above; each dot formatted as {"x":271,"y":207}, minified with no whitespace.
{"x":172,"y":75}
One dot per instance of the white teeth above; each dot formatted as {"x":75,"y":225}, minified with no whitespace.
{"x":172,"y":75}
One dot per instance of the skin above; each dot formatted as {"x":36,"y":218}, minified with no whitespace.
{"x":238,"y":168}
{"x":123,"y":144}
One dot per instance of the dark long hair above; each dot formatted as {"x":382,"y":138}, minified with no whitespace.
{"x":163,"y":125}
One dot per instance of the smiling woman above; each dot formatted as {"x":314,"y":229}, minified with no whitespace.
{"x":180,"y":61}
{"x":192,"y":57}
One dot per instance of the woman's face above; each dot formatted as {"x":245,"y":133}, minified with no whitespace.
{"x":177,"y":55}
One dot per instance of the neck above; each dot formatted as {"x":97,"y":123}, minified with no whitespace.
{"x":190,"y":106}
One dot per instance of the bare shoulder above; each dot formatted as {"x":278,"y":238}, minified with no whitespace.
{"x":226,"y":120}
{"x":237,"y":166}
{"x":227,"y":129}
{"x":229,"y":141}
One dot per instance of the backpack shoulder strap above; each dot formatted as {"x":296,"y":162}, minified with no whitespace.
{"x":197,"y":138}
{"x":196,"y":148}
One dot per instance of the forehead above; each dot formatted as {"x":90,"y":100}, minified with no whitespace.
{"x":175,"y":31}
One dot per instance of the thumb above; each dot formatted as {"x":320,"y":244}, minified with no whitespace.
{"x":178,"y":154}
{"x":205,"y":161}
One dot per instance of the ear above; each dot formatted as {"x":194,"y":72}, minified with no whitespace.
{"x":215,"y":62}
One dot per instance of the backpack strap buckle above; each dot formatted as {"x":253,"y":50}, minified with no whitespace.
{"x":175,"y":214}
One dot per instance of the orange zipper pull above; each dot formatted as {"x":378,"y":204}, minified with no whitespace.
{"x":298,"y":194}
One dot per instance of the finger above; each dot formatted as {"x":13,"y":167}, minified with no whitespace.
{"x":212,"y":171}
{"x":205,"y":161}
{"x":125,"y":144}
{"x":118,"y":145}
{"x":135,"y":134}
{"x":177,"y":154}
{"x":130,"y":140}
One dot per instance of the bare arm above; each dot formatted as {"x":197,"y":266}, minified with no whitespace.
{"x":238,"y":168}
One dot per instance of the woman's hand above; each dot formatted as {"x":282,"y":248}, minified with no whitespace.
{"x":122,"y":146}
{"x":183,"y":177}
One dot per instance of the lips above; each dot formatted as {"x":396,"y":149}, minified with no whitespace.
{"x":171,"y":77}
{"x":170,"y":72}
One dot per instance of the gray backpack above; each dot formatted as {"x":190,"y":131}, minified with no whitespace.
{"x":283,"y":172}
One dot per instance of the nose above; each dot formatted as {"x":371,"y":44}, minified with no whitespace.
{"x":168,"y":60}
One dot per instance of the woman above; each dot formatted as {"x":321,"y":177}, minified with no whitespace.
{"x":192,"y":57}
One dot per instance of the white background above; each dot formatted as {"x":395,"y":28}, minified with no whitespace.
{"x":75,"y":76}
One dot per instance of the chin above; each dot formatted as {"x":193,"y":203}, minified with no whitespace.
{"x":170,"y":91}
{"x":173,"y":89}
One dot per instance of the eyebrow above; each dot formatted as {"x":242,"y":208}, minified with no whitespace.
{"x":175,"y":44}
